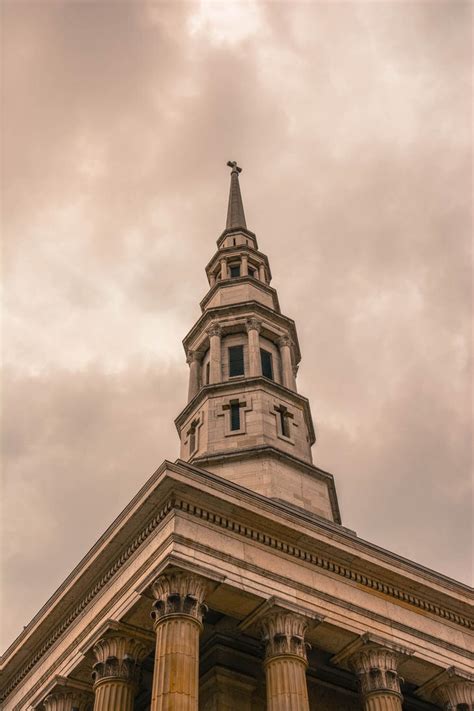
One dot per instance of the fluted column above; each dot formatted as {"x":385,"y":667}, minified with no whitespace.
{"x":455,"y":696}
{"x":285,"y":661}
{"x":116,"y":672}
{"x":194,"y":361}
{"x":253,"y":330}
{"x":177,"y":614}
{"x":215,"y":358}
{"x":67,"y":701}
{"x":376,"y":668}
{"x":284,"y":343}
{"x":452,"y":690}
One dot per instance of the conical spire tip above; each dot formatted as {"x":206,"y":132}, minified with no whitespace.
{"x":235,"y":210}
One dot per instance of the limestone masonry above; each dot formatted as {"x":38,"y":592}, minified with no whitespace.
{"x":229,"y":582}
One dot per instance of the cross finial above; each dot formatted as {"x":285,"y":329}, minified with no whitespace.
{"x":233,"y":164}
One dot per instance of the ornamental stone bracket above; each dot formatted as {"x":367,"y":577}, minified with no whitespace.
{"x":452,"y":690}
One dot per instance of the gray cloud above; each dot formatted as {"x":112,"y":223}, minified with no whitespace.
{"x":352,"y":122}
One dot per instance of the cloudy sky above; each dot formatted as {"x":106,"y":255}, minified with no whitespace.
{"x":352,"y":123}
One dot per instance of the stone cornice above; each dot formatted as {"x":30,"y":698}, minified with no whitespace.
{"x":236,"y":230}
{"x":153,"y":504}
{"x":244,"y":279}
{"x":243,"y":310}
{"x":216,"y":389}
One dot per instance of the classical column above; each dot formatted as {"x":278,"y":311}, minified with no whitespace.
{"x":253,"y":330}
{"x":194,"y":361}
{"x":377,"y":671}
{"x":116,"y":672}
{"x":245,"y":265}
{"x":285,"y":661}
{"x":212,"y":280}
{"x":261,"y":273}
{"x":177,"y":614}
{"x":67,"y":701}
{"x":223,"y":269}
{"x":288,"y":378}
{"x":455,"y":696}
{"x":215,"y":372}
{"x":451,"y":690}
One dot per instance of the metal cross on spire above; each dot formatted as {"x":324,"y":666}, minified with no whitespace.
{"x":235,"y":210}
{"x":233,"y":164}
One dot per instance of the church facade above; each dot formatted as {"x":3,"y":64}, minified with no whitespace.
{"x":229,"y":582}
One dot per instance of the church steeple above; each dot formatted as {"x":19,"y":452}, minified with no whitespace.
{"x":245,"y":419}
{"x":235,"y":210}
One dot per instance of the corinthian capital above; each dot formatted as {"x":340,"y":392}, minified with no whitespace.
{"x":179,"y":593}
{"x":67,"y":700}
{"x":377,"y":669}
{"x":193,"y":356}
{"x":214,"y":330}
{"x":283,"y":635}
{"x":118,"y":657}
{"x":253,"y":324}
{"x":453,"y":689}
{"x":284,"y":341}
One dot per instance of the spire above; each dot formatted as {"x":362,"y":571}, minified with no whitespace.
{"x":235,"y":211}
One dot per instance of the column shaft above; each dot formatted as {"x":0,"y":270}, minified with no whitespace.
{"x":223,"y":269}
{"x":286,"y":684}
{"x":194,"y":371}
{"x":383,"y":702}
{"x":255,"y":364}
{"x":176,"y":677}
{"x":245,"y":265}
{"x":212,"y":280}
{"x":215,"y":371}
{"x":177,"y":613}
{"x":114,"y":695}
{"x":286,"y":365}
{"x":261,"y":273}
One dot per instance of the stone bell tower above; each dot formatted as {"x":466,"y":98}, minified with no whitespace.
{"x":245,"y":420}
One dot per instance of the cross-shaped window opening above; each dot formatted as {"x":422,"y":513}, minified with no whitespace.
{"x":284,"y":417}
{"x":234,"y":415}
{"x":192,"y":436}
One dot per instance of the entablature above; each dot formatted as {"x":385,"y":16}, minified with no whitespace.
{"x":232,"y":319}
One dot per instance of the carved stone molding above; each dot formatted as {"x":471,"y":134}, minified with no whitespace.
{"x":253,"y":324}
{"x":179,"y":593}
{"x":283,"y":635}
{"x":118,"y":657}
{"x":214,"y":330}
{"x":67,"y":700}
{"x":452,"y":690}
